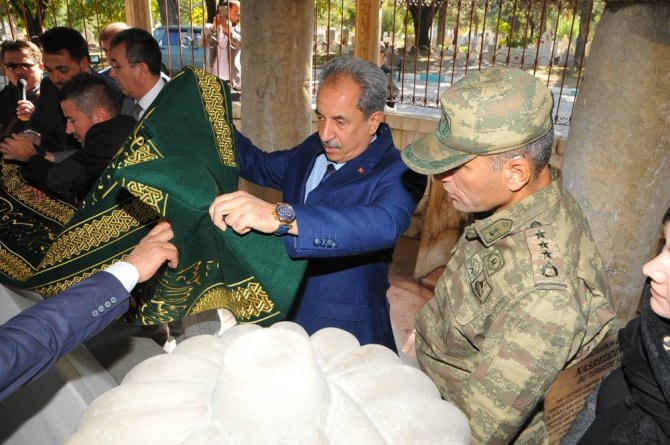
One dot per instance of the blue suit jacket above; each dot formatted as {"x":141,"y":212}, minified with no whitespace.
{"x":348,"y":228}
{"x":32,"y":341}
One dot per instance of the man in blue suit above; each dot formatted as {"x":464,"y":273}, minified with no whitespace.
{"x":347,"y":199}
{"x":32,"y":341}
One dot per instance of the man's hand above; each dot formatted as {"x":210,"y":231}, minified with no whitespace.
{"x":19,"y":147}
{"x":24,"y":109}
{"x":243,"y":212}
{"x":153,"y":250}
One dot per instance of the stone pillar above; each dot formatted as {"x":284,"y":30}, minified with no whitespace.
{"x":617,"y":160}
{"x":368,"y":30}
{"x":276,"y":75}
{"x":138,"y":14}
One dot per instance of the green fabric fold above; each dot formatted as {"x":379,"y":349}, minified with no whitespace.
{"x":180,"y":156}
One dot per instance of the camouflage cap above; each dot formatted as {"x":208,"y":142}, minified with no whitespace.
{"x":488,"y":112}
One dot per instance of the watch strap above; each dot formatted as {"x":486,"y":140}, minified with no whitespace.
{"x":282,"y":230}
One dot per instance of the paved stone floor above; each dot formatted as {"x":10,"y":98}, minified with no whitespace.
{"x":406,"y":295}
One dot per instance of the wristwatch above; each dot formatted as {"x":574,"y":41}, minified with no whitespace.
{"x":285,"y":214}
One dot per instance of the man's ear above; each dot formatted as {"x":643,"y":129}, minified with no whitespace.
{"x":85,"y":65}
{"x":100,"y":114}
{"x":518,"y":173}
{"x":374,"y":120}
{"x":144,"y":69}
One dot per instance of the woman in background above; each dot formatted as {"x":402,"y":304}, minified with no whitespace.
{"x":633,"y":404}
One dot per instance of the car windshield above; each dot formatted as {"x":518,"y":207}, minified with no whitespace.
{"x":174,"y":37}
{"x":177,"y":52}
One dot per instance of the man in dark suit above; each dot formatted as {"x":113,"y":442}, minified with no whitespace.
{"x":22,"y":60}
{"x":92,"y":117}
{"x":32,"y":341}
{"x":347,"y":199}
{"x":135,"y":65}
{"x":65,"y":54}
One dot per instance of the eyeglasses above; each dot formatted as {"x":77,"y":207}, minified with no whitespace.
{"x":117,"y":67}
{"x":11,"y":66}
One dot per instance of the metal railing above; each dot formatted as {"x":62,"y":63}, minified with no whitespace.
{"x":428,"y":44}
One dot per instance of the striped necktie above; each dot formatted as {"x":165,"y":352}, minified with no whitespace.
{"x":137,"y":110}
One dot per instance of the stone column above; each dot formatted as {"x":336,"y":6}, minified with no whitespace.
{"x":368,"y":30}
{"x":138,"y":14}
{"x":617,"y":160}
{"x":276,"y":75}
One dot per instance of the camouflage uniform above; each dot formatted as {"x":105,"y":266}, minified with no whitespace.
{"x":524,"y":295}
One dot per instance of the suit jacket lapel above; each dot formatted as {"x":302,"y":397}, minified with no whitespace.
{"x":355,"y":169}
{"x":304,"y":163}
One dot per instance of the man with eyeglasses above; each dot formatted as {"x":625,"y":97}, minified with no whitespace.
{"x":23,"y":67}
{"x":65,"y":54}
{"x":135,"y":61}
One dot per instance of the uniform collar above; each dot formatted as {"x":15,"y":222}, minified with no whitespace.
{"x":510,"y":220}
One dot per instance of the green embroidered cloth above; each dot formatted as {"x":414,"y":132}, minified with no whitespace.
{"x":178,"y":158}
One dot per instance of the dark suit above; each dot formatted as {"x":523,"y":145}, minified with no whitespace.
{"x":73,"y":178}
{"x":32,"y":341}
{"x":48,"y":119}
{"x":348,"y":228}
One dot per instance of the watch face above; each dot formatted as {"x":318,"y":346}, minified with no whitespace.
{"x":285,"y":213}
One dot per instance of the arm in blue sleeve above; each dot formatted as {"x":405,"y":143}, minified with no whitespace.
{"x":359,"y":227}
{"x":260,"y":167}
{"x":32,"y":341}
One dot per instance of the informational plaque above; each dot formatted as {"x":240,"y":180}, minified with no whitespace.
{"x":568,"y":394}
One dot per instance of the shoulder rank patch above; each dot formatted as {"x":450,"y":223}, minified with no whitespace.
{"x":548,"y":266}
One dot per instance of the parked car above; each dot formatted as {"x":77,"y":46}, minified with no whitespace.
{"x":180,"y":46}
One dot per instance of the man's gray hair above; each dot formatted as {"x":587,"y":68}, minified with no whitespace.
{"x":538,"y":152}
{"x":369,"y":77}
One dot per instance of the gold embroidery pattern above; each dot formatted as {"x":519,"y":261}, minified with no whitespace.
{"x":13,"y":266}
{"x":141,"y":151}
{"x":50,"y":208}
{"x":148,"y":195}
{"x":60,"y":286}
{"x":173,"y":300}
{"x":158,"y":311}
{"x":214,"y":101}
{"x":194,"y":273}
{"x":245,"y":300}
{"x":98,"y":232}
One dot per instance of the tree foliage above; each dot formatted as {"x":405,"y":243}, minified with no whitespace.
{"x":335,"y":14}
{"x":31,"y":17}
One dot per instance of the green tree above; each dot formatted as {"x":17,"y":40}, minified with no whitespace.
{"x":32,"y":17}
{"x":175,"y":12}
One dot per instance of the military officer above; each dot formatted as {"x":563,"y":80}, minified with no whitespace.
{"x":525,"y":293}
